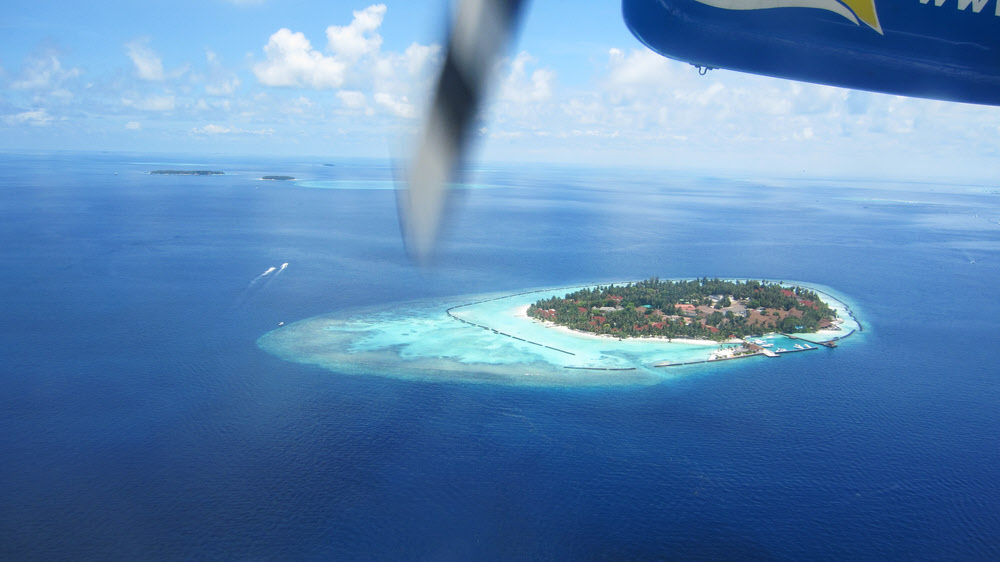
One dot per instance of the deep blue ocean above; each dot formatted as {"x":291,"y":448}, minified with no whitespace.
{"x":138,"y":418}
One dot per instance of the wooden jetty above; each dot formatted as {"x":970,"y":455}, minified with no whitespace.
{"x":830,"y":344}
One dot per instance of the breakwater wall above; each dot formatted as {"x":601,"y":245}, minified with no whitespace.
{"x":449,"y":311}
{"x":849,"y":313}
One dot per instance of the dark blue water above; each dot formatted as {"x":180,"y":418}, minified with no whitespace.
{"x":139,"y":420}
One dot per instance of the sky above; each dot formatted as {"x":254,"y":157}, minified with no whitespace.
{"x":351,"y":79}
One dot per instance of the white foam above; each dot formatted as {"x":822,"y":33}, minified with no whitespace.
{"x":257,"y":279}
{"x":280,"y":269}
{"x":258,"y":283}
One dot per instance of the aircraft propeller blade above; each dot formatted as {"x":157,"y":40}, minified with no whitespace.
{"x":478,"y":35}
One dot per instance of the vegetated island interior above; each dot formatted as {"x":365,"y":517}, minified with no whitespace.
{"x":278,"y":178}
{"x":188,"y":172}
{"x":710,"y":309}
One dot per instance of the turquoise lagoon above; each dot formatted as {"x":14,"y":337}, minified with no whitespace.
{"x":487,"y":338}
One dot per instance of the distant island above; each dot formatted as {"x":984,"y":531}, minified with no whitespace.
{"x":278,"y":178}
{"x":188,"y":172}
{"x":710,"y":309}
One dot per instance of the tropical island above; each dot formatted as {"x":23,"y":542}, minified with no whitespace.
{"x":708,"y":309}
{"x":278,"y":178}
{"x":188,"y":172}
{"x":636,"y":332}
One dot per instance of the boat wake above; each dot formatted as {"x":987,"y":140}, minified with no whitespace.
{"x":261,"y":276}
{"x":259,"y":283}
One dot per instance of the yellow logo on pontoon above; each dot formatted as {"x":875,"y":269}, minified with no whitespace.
{"x":855,"y":10}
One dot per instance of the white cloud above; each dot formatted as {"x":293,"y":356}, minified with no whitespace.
{"x":352,"y":100}
{"x":647,"y":95}
{"x":220,"y":81}
{"x":639,"y":71}
{"x":213,"y":104}
{"x":44,"y":71}
{"x":403,"y":75}
{"x":300,"y":106}
{"x":224,"y":88}
{"x":35,"y":118}
{"x":213,"y":129}
{"x":517,"y":87}
{"x":417,"y":58}
{"x":133,"y":125}
{"x":403,"y":72}
{"x":641,"y":103}
{"x":398,"y":106}
{"x":353,"y":62}
{"x":147,"y":62}
{"x":355,"y":101}
{"x":360,"y":37}
{"x":526,"y":99}
{"x":291,"y":61}
{"x":151,"y":103}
